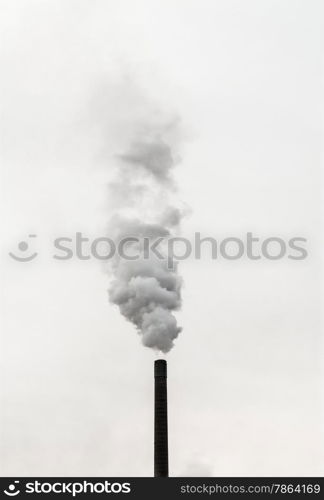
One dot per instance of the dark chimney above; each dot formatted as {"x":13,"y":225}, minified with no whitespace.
{"x":161,"y":459}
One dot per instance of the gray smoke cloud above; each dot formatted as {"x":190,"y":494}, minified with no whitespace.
{"x":155,"y":157}
{"x":143,"y":193}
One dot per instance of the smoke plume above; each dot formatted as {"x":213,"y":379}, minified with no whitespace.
{"x":143,"y":193}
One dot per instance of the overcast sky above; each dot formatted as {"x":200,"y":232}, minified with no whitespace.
{"x":244,"y":376}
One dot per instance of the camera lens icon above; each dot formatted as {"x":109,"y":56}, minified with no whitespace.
{"x":24,"y":256}
{"x":12,"y":489}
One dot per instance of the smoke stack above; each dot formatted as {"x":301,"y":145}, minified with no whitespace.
{"x":161,"y":458}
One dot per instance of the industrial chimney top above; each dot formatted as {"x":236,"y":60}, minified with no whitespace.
{"x":160,"y":368}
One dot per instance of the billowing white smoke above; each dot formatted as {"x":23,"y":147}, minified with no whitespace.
{"x":147,"y":290}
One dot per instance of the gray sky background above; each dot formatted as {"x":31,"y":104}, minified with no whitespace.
{"x":244,"y":378}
